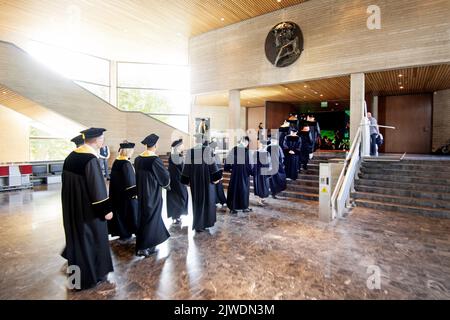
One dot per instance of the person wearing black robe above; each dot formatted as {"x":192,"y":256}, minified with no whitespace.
{"x":306,"y":147}
{"x":293,"y":121}
{"x":261,"y":172}
{"x":291,"y":147}
{"x":283,"y":131}
{"x":86,"y":207}
{"x":177,"y":196}
{"x":123,"y":195}
{"x":315,"y":131}
{"x":277,"y":181}
{"x":238,"y":163}
{"x":201,"y":173}
{"x":151,"y":177}
{"x":220,"y":192}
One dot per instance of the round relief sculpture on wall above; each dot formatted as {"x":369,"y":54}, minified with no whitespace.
{"x":284,"y":44}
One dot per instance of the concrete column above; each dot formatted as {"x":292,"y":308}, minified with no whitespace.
{"x":357,"y":92}
{"x":234,"y":115}
{"x":375,"y":107}
{"x":113,"y":83}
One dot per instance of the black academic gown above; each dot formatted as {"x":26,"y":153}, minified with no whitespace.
{"x":151,"y":177}
{"x":199,"y":172}
{"x":278,"y":180}
{"x":261,"y":176}
{"x":85,"y":203}
{"x":177,"y":196}
{"x":238,"y":163}
{"x":306,"y":148}
{"x":282,"y":133}
{"x":314,"y":128}
{"x":292,"y":161}
{"x":220,"y":192}
{"x":122,"y":192}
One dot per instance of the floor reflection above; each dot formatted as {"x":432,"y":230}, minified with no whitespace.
{"x":280,"y":251}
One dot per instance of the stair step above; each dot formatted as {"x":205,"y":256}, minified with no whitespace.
{"x":310,"y":183}
{"x":402,"y":185}
{"x":303,"y":188}
{"x":404,"y":166}
{"x":403,"y":192}
{"x":409,"y":173}
{"x":300,"y":195}
{"x":392,"y":199}
{"x":429,"y":212}
{"x":434,"y":181}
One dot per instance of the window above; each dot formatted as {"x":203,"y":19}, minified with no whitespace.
{"x":154,"y":101}
{"x":98,"y":90}
{"x":161,"y":91}
{"x":153,"y":76}
{"x":90,"y":72}
{"x":45,"y":146}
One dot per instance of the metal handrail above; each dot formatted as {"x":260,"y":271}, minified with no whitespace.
{"x":342,"y":177}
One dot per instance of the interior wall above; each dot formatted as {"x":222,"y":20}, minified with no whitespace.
{"x":29,"y":79}
{"x":337,"y":42}
{"x":441,"y":118}
{"x":276,"y":113}
{"x":255,"y":116}
{"x":14,"y":136}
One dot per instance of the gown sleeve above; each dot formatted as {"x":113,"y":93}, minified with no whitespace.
{"x":161,"y":173}
{"x":229,"y":161}
{"x":97,"y":189}
{"x":129,"y":180}
{"x":187,"y":169}
{"x":215,"y":173}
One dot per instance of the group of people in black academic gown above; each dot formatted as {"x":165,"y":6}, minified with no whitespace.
{"x":298,"y":137}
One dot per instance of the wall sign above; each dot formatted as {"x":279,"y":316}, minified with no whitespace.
{"x":284,"y":44}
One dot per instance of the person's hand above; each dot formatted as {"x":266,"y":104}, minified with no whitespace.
{"x":109,"y":216}
{"x":291,"y":152}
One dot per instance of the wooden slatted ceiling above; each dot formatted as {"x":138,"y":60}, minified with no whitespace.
{"x":413,"y":80}
{"x":125,"y":29}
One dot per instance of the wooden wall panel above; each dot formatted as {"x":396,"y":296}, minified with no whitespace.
{"x":276,"y":113}
{"x":412,"y":117}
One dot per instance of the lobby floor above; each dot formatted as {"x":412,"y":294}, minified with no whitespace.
{"x":281,"y":251}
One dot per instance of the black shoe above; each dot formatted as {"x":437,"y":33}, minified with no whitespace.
{"x":247,"y":210}
{"x":274,"y":196}
{"x":233,"y":212}
{"x":146,"y":252}
{"x":200,"y":230}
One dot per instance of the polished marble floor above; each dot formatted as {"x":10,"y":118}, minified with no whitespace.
{"x":280,"y":251}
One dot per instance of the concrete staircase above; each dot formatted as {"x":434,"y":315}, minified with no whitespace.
{"x":410,"y":186}
{"x":306,"y":187}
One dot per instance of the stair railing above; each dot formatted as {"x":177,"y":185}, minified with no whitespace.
{"x":341,"y":193}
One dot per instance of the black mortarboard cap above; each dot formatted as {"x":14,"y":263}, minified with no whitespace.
{"x":176,"y":143}
{"x":127,"y":145}
{"x":92,"y":133}
{"x":150,"y":140}
{"x":78,"y":140}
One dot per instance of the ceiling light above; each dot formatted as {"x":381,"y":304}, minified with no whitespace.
{"x":401,"y":87}
{"x":400,"y":75}
{"x":4,"y":92}
{"x":321,"y":95}
{"x":286,"y":88}
{"x":279,"y":1}
{"x":304,"y":97}
{"x":337,"y":103}
{"x":305,"y":86}
{"x":222,"y":19}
